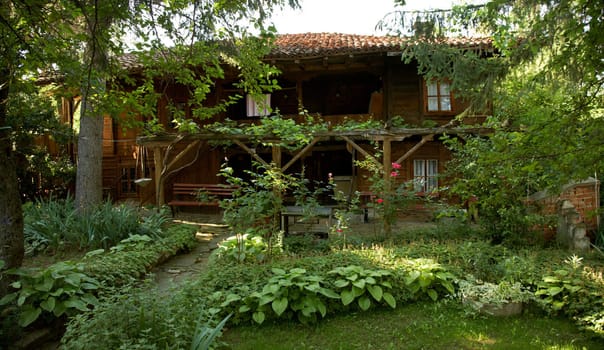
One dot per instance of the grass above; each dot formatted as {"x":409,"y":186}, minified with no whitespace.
{"x":442,"y":325}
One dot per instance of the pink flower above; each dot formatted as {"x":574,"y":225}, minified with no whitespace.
{"x":380,"y":201}
{"x":396,"y":166}
{"x":340,"y":230}
{"x":394,"y":174}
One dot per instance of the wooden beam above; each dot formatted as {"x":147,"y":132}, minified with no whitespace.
{"x":159,"y":181}
{"x":277,"y":156}
{"x":425,"y":139}
{"x":387,"y":167}
{"x":300,"y":154}
{"x":360,"y":149}
{"x":180,"y":156}
{"x":252,"y":153}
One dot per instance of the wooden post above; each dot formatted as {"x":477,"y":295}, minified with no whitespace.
{"x":276,"y":163}
{"x":158,"y":160}
{"x":387,"y":166}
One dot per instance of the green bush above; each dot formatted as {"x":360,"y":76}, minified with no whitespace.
{"x":133,"y":257}
{"x":364,"y":285}
{"x":133,"y":318}
{"x":293,"y":293}
{"x":55,"y":225}
{"x":59,"y":289}
{"x":242,"y":248}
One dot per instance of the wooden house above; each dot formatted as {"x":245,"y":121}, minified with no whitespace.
{"x":335,"y":78}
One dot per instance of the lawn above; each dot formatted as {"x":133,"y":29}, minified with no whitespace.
{"x":417,"y":326}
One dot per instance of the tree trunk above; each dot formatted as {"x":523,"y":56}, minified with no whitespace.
{"x":89,"y":176}
{"x":11,"y":214}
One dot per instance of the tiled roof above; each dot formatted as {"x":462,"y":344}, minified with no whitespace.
{"x":330,"y":44}
{"x":307,"y":45}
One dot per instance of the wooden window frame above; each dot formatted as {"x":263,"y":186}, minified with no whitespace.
{"x":422,"y":178}
{"x":425,"y":84}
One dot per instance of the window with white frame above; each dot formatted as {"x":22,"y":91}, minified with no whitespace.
{"x":438,"y":96}
{"x":425,"y":175}
{"x":257,"y":108}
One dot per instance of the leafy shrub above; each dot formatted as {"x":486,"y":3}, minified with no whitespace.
{"x":54,"y":224}
{"x":134,"y":256}
{"x":425,"y":277}
{"x":364,"y":285}
{"x":242,"y":248}
{"x":305,"y":244}
{"x":131,"y":318}
{"x":566,"y":290}
{"x":59,"y":289}
{"x":288,"y":294}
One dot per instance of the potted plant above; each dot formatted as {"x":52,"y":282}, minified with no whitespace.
{"x":502,"y":299}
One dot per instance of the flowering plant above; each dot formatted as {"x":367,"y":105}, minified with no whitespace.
{"x":400,"y":196}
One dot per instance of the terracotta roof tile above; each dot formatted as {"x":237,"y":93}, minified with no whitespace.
{"x":329,"y":44}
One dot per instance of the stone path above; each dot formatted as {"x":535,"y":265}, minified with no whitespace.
{"x":181,"y":267}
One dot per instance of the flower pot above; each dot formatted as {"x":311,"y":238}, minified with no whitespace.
{"x":502,"y":310}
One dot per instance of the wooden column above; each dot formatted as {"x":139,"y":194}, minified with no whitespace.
{"x":276,"y":163}
{"x":158,"y":160}
{"x":387,"y":166}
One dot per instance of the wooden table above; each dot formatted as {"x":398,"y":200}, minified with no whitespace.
{"x":294,"y":210}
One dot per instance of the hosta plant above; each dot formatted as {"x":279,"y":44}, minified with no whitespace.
{"x":242,"y":247}
{"x":287,"y":294}
{"x":363,"y":285}
{"x":59,"y":289}
{"x":427,"y":277}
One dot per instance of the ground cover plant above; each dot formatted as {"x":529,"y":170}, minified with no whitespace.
{"x":45,"y":295}
{"x":312,"y":297}
{"x":53,"y":225}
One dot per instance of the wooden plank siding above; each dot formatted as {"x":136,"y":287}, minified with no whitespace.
{"x":336,"y":86}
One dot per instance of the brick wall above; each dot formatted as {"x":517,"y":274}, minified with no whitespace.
{"x":583,"y":196}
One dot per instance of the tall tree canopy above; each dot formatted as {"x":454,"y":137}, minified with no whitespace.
{"x":543,"y":86}
{"x":82,"y":45}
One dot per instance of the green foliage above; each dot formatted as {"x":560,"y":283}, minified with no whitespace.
{"x":424,"y":277}
{"x":132,"y":318}
{"x":572,"y":291}
{"x":392,"y":195}
{"x":300,"y":294}
{"x":257,"y":202}
{"x":62,"y":288}
{"x":54,"y":225}
{"x":532,"y":90}
{"x":364,"y":285}
{"x":498,"y":187}
{"x":204,"y":335}
{"x":242,"y":248}
{"x":133,"y":257}
{"x":480,"y":296}
{"x":305,"y":244}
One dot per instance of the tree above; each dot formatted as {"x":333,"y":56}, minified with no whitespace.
{"x":544,"y":80}
{"x":79,"y":44}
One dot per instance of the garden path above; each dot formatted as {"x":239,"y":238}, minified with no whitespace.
{"x":177,"y":269}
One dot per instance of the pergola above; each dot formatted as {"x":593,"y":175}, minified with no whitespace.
{"x":165,"y":162}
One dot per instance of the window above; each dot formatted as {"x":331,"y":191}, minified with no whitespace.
{"x":425,"y":175}
{"x":438,"y":96}
{"x":127,"y":183}
{"x":255,"y":108}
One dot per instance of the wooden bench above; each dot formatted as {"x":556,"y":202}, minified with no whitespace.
{"x":197,"y":195}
